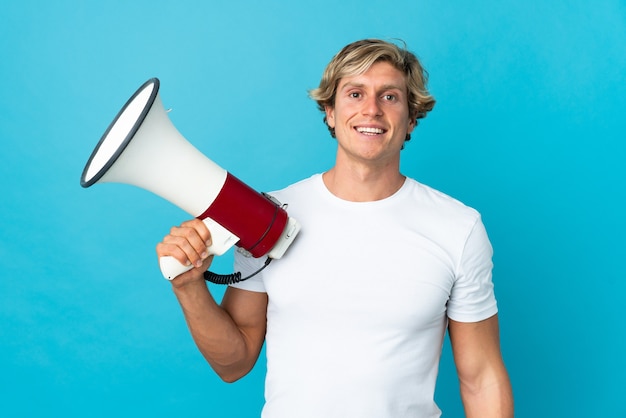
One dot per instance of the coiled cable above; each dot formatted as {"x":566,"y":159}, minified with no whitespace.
{"x":232,"y":278}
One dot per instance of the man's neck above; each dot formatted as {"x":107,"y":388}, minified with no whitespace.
{"x":362,"y":185}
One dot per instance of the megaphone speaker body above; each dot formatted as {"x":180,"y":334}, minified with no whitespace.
{"x":142,"y":147}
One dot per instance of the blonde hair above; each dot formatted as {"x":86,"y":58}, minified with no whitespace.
{"x":357,"y":57}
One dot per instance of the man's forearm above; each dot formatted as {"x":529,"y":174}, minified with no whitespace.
{"x":489,"y":401}
{"x":215,"y":333}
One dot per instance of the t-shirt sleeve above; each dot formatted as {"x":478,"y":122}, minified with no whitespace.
{"x":247,"y":266}
{"x":472,"y":298}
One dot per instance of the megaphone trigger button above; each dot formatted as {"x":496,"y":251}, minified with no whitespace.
{"x":291,"y":231}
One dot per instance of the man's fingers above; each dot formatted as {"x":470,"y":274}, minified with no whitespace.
{"x":168,"y":249}
{"x":187,"y":243}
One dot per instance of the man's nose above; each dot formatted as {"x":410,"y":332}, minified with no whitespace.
{"x":371,"y":106}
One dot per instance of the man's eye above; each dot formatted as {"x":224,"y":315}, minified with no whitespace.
{"x":355,"y":95}
{"x":389,"y":97}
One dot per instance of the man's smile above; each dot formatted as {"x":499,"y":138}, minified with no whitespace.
{"x":369,"y":130}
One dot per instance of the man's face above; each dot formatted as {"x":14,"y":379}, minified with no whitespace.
{"x":371,"y":115}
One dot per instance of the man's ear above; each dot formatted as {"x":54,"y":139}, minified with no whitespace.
{"x":330,"y":115}
{"x":412,"y":125}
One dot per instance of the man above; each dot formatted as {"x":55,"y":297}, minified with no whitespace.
{"x":355,"y":313}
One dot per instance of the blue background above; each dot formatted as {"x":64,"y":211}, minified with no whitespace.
{"x":528,"y":128}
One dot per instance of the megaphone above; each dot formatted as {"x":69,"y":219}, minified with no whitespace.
{"x":141,"y":147}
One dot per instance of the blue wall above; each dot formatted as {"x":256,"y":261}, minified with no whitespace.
{"x":528,"y":129}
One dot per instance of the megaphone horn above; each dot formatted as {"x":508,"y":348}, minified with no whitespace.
{"x":141,"y":147}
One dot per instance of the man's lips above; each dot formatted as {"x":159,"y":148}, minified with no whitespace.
{"x":370,"y":130}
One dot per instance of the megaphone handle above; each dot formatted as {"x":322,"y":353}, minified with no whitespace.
{"x":221,"y":241}
{"x":171,"y":267}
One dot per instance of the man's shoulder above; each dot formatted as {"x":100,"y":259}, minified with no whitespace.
{"x":300,"y":186}
{"x":438,"y":200}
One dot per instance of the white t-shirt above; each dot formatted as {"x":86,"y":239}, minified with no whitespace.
{"x":358,"y":305}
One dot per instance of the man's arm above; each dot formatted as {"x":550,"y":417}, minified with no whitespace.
{"x":485,"y":387}
{"x":230,"y":336}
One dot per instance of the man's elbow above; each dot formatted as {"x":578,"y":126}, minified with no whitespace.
{"x":487,"y":395}
{"x":486,"y":379}
{"x":230,"y":378}
{"x":231,"y":373}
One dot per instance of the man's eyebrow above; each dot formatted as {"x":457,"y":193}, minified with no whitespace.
{"x":392,"y":87}
{"x":351,"y":84}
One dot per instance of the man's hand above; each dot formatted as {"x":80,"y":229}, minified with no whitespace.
{"x":188,"y":244}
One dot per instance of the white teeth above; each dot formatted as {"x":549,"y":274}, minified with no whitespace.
{"x":367,"y":130}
